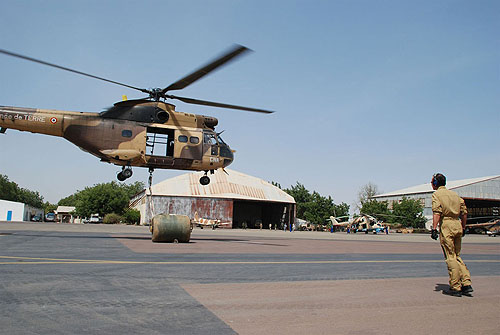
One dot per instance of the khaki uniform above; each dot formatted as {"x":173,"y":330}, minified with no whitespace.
{"x":450,"y":206}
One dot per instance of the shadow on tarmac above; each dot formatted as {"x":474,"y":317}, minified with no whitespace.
{"x":441,"y":287}
{"x":80,"y":236}
{"x":193,"y":240}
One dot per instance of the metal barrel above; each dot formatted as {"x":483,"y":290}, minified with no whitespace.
{"x":171,"y":228}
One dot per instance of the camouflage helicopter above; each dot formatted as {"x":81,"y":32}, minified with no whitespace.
{"x":145,"y":132}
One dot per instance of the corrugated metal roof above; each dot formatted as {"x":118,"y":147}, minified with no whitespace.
{"x":427,"y":188}
{"x":233,"y":185}
{"x":65,"y":209}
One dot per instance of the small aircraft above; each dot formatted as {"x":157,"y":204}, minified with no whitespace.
{"x":211,"y":223}
{"x":492,"y":227}
{"x":145,"y":132}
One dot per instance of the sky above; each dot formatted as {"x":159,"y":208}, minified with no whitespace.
{"x":381,"y":92}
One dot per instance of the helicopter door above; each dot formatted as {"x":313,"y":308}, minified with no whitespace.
{"x":188,"y":145}
{"x":160,"y":142}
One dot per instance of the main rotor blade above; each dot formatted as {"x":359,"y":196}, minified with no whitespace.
{"x":217,"y":104}
{"x":70,"y":70}
{"x":191,"y":78}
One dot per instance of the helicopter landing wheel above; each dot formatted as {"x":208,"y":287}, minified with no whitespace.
{"x":124,"y":174}
{"x":127,"y":173}
{"x":120,"y":177}
{"x":204,"y":180}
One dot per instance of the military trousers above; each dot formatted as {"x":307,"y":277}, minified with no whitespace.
{"x":450,"y":237}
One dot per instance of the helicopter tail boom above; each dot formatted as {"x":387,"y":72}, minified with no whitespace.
{"x":33,"y":120}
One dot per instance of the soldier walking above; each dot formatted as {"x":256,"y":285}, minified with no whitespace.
{"x":450,"y":213}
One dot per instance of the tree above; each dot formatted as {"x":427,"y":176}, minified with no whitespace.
{"x":133,"y":189}
{"x":314,"y":207}
{"x":103,"y":198}
{"x":301,"y":196}
{"x":112,"y":218}
{"x":48,"y":207}
{"x":69,"y":200}
{"x":299,"y":193}
{"x":276,"y":184}
{"x":341,"y":209}
{"x":410,"y":212}
{"x":9,"y":190}
{"x":318,"y":209}
{"x":132,"y":216}
{"x":31,"y":198}
{"x":377,"y":209}
{"x":366,"y":193}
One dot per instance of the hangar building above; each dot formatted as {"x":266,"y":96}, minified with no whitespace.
{"x":481,"y":195}
{"x":232,"y":198}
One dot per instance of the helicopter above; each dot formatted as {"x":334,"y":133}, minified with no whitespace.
{"x":145,"y":132}
{"x":363,"y":223}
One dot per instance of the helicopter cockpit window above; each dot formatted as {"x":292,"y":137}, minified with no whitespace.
{"x":127,"y":133}
{"x":209,"y":138}
{"x":183,"y":138}
{"x":220,"y":139}
{"x":194,"y":140}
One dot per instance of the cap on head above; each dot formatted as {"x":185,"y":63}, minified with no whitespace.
{"x":438,"y":179}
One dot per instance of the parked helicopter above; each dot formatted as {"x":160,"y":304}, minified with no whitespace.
{"x":144,"y":132}
{"x":363,"y":223}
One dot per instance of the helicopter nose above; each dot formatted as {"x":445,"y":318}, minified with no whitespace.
{"x":228,"y":155}
{"x":228,"y":160}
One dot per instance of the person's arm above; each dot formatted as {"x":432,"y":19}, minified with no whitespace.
{"x":463,"y":219}
{"x":436,"y":211}
{"x":463,"y":213}
{"x":436,"y":217}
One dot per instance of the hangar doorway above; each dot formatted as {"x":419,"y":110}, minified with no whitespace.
{"x":481,"y":210}
{"x":253,"y":213}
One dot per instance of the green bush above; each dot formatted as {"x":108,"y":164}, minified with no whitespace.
{"x":112,"y":218}
{"x":132,"y":216}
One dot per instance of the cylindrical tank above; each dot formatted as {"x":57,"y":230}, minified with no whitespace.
{"x":171,"y":228}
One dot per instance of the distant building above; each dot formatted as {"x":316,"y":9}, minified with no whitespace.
{"x":17,"y":211}
{"x":234,"y":198}
{"x":481,"y":195}
{"x":65,"y":214}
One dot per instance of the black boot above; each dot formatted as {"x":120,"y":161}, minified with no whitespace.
{"x":454,"y":293}
{"x":467,"y":289}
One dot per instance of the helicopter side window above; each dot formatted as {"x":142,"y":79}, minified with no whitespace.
{"x":127,"y":133}
{"x":183,"y":138}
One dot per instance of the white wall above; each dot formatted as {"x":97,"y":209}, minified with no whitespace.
{"x":17,"y":209}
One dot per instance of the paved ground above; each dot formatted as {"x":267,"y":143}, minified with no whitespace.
{"x":60,"y":279}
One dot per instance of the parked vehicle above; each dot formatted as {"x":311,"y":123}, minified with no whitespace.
{"x":36,"y":218}
{"x":95,"y":218}
{"x":50,"y":217}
